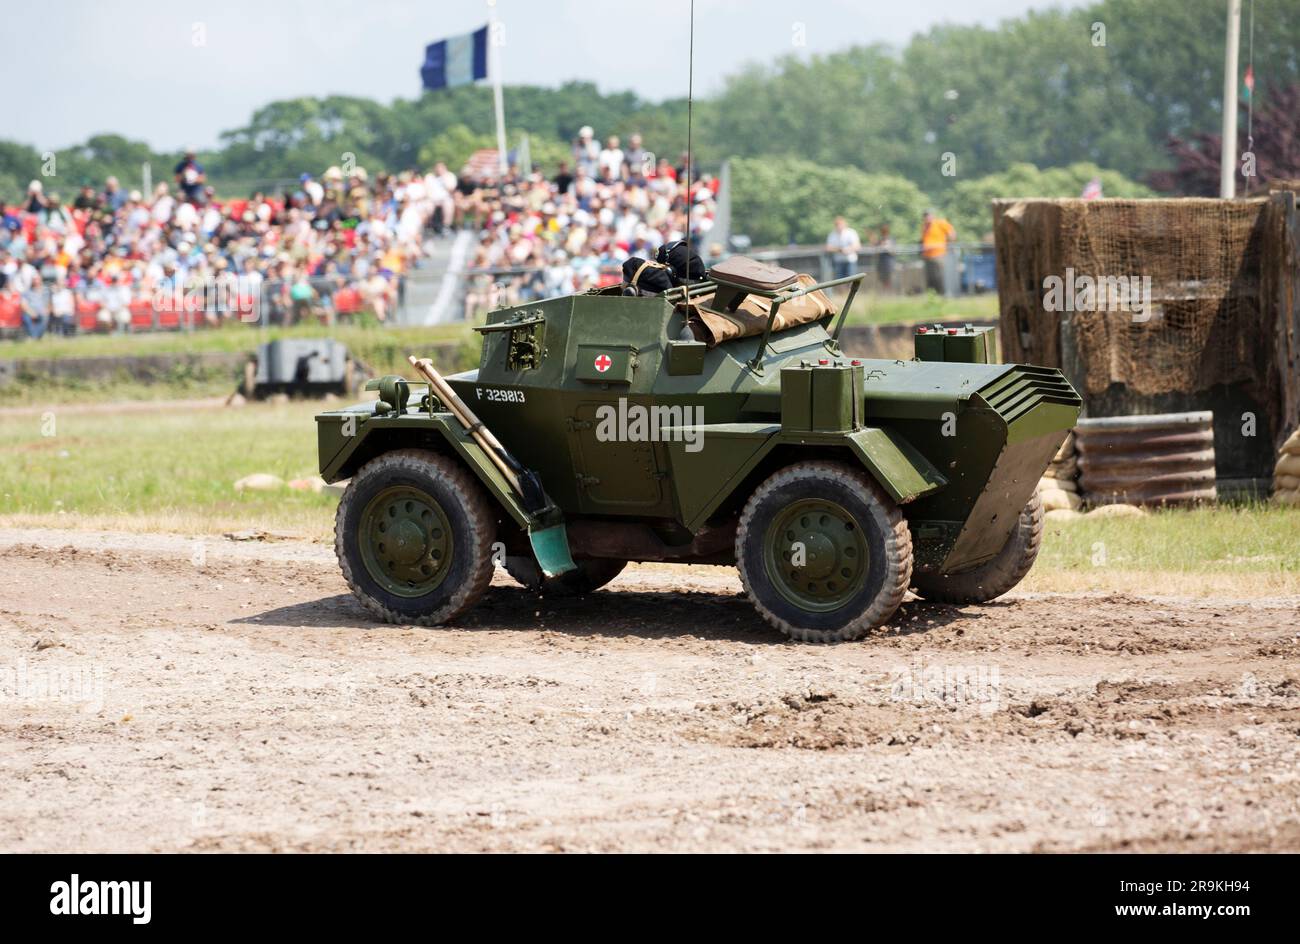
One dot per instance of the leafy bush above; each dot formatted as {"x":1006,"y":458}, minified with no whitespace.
{"x":967,"y":206}
{"x":776,"y":201}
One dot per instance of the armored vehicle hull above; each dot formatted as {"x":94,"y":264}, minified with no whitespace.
{"x":834,"y":483}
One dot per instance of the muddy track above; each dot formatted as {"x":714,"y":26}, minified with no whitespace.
{"x":166,"y":694}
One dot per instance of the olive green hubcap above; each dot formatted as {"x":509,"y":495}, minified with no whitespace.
{"x":405,"y":541}
{"x":816,"y":555}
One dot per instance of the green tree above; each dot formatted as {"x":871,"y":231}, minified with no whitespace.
{"x":455,"y":146}
{"x":776,"y":201}
{"x":968,"y":204}
{"x":19,"y":164}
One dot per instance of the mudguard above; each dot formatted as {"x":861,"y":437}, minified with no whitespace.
{"x":347,"y":439}
{"x":729,"y":452}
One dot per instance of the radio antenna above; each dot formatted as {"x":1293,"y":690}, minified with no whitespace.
{"x":690,"y":155}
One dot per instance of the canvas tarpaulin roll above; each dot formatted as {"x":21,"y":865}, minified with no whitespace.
{"x":750,"y":319}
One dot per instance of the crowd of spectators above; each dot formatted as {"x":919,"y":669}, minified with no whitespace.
{"x":540,"y":235}
{"x":113,"y":259}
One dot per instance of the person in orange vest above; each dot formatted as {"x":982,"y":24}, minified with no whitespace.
{"x":935,"y":234}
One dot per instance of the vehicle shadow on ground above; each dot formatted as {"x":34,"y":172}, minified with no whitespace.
{"x":610,"y":612}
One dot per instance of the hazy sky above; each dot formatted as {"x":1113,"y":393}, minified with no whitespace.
{"x":136,"y":67}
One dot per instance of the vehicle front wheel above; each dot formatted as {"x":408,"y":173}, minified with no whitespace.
{"x":823,"y":552}
{"x":994,"y":577}
{"x":413,"y":535}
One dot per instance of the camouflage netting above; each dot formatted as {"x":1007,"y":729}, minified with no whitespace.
{"x":1223,"y":306}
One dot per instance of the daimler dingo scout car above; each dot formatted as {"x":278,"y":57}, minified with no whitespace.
{"x":717,"y":422}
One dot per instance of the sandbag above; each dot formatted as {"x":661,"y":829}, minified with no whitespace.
{"x":1069,"y":485}
{"x":1062,"y":514}
{"x":1053,"y":498}
{"x":1292,"y":444}
{"x":1286,"y":483}
{"x":1287,"y":465}
{"x":1066,"y":472}
{"x":1287,"y":498}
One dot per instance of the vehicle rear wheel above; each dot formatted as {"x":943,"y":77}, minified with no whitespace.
{"x":994,"y":577}
{"x":823,"y":552}
{"x":591,"y":575}
{"x":413,"y":535}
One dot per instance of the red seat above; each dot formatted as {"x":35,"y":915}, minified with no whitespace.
{"x":347,"y":301}
{"x":11,"y":310}
{"x":168,"y":317}
{"x":87,"y":315}
{"x":141,"y":314}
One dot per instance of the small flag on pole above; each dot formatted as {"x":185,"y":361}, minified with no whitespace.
{"x":1092,"y":191}
{"x":458,"y":60}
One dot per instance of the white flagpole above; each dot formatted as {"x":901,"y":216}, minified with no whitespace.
{"x":494,"y":67}
{"x":1228,"y":157}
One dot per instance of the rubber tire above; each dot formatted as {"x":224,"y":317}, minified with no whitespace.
{"x":888,"y":537}
{"x":591,"y":575}
{"x":994,"y":577}
{"x":472,"y":523}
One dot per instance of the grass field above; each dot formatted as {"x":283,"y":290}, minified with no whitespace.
{"x":382,"y":349}
{"x":906,"y":309}
{"x":173,"y":469}
{"x":168,"y":469}
{"x":1244,"y":550}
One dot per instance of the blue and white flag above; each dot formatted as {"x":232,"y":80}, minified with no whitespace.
{"x":455,"y":61}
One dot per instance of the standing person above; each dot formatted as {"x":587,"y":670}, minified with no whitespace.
{"x":114,"y":196}
{"x":190,"y":177}
{"x":441,"y":186}
{"x":562,"y":180}
{"x":935,"y":234}
{"x":635,"y":158}
{"x":885,"y":247}
{"x":611,"y":160}
{"x":586,"y":151}
{"x":843,"y":245}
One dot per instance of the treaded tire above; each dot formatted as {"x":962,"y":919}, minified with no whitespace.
{"x":472,"y":525}
{"x":591,"y":575}
{"x":885,"y":530}
{"x":994,"y":577}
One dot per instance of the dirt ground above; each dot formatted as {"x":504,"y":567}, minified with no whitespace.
{"x":159,"y":693}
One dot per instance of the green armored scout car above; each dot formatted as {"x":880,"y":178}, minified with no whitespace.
{"x":717,"y":422}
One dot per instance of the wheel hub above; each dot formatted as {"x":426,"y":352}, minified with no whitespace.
{"x":816,"y":554}
{"x":408,"y":542}
{"x":405,"y":541}
{"x":820,"y":555}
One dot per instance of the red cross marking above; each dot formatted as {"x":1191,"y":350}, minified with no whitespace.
{"x":604,"y":362}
